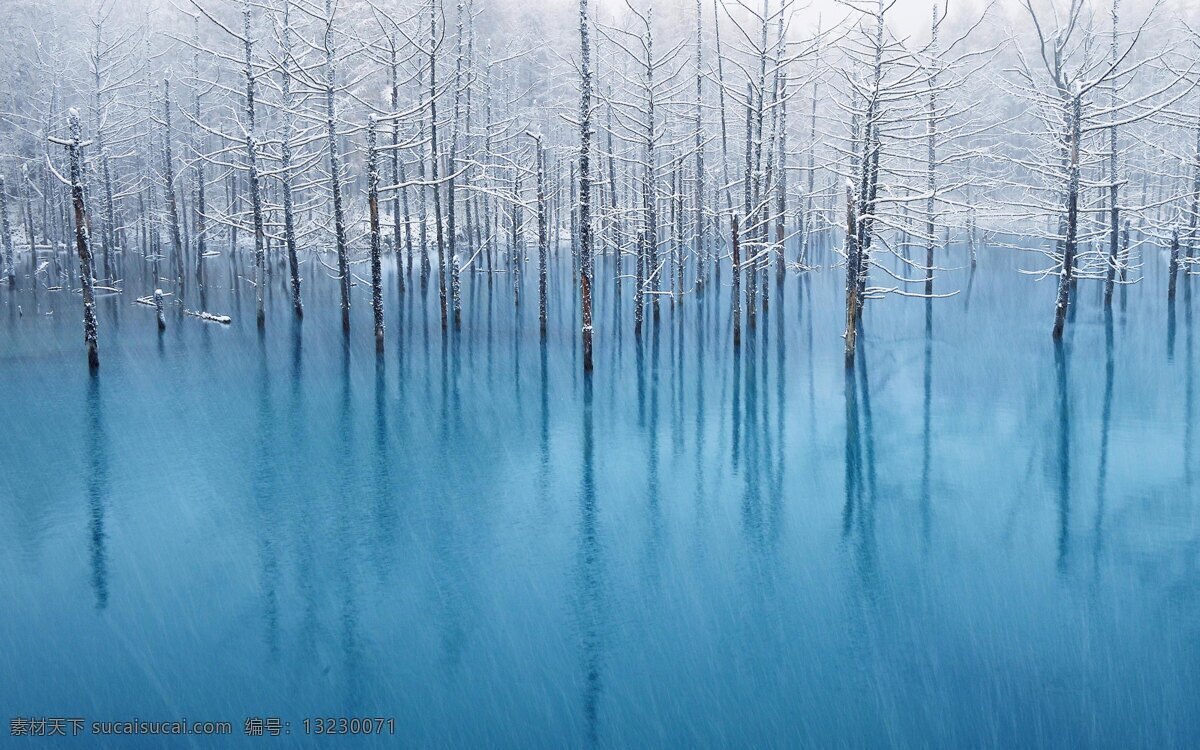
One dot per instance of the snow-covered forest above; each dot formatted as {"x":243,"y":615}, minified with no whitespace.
{"x":694,"y":144}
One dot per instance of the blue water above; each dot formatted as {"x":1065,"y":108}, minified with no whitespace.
{"x":972,"y":540}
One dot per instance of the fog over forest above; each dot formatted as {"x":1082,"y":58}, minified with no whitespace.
{"x":466,"y":133}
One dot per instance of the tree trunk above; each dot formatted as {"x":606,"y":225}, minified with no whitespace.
{"x":82,"y":241}
{"x":6,"y":230}
{"x":285,"y":168}
{"x":853,"y":260}
{"x":931,"y":131}
{"x":542,"y":236}
{"x":700,"y":239}
{"x":396,"y":176}
{"x":433,"y":153}
{"x":452,"y":195}
{"x":169,"y":185}
{"x":376,"y":239}
{"x":158,"y":310}
{"x":335,"y":169}
{"x":1114,"y":211}
{"x":252,"y":162}
{"x":1173,"y":270}
{"x":1066,"y":276}
{"x":737,"y":284}
{"x":585,"y":184}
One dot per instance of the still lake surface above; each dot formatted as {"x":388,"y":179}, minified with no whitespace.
{"x":976,"y":539}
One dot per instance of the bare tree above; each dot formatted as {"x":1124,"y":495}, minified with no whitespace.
{"x":376,"y":233}
{"x":75,"y":145}
{"x":6,"y":243}
{"x":1063,"y":90}
{"x":585,"y":184}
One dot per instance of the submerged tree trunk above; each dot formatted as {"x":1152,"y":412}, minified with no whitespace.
{"x":653,"y":276}
{"x":700,"y":239}
{"x":677,"y":224}
{"x":198,"y":220}
{"x":931,"y":131}
{"x":169,"y":184}
{"x":433,"y":154}
{"x":110,"y":218}
{"x":748,"y":211}
{"x":376,"y":239}
{"x":853,"y":259}
{"x":422,"y":197}
{"x":585,"y":185}
{"x":252,"y":162}
{"x":335,"y":169}
{"x":639,"y":292}
{"x":82,"y":241}
{"x":542,"y":236}
{"x":397,"y":237}
{"x":1125,"y":251}
{"x":1194,"y":219}
{"x":285,"y":169}
{"x":9,"y":273}
{"x":1173,"y":270}
{"x":452,"y":261}
{"x":26,"y":185}
{"x":1066,"y":276}
{"x":1114,"y":211}
{"x":781,"y":184}
{"x":408,"y":235}
{"x":809,"y":220}
{"x":514,"y":239}
{"x":158,"y":310}
{"x":737,"y":283}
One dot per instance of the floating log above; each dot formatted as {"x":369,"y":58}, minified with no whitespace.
{"x":149,"y":301}
{"x":222,"y":319}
